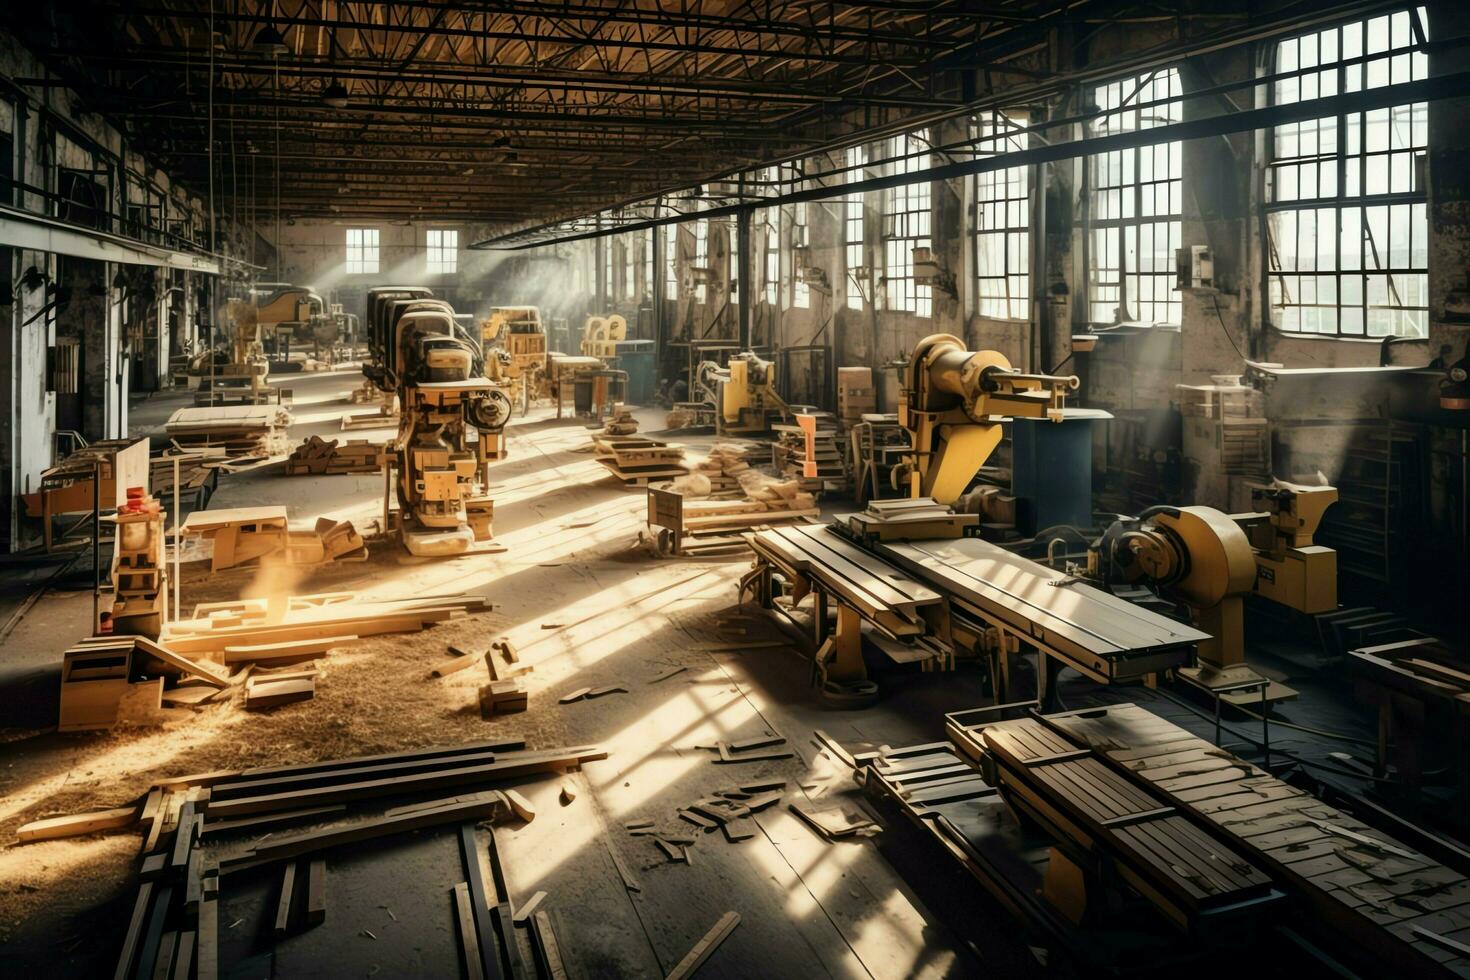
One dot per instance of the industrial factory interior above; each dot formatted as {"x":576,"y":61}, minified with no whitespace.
{"x":732,"y":489}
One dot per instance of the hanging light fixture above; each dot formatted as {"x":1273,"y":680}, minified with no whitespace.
{"x":336,"y":95}
{"x":268,"y":40}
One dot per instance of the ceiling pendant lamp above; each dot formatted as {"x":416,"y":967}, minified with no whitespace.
{"x":336,"y":95}
{"x":269,"y":41}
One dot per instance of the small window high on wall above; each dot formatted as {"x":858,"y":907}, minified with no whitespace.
{"x":362,"y":251}
{"x":671,"y":264}
{"x":1002,"y":221}
{"x":443,"y":251}
{"x":906,"y":218}
{"x":1136,"y":202}
{"x":701,"y":256}
{"x":1347,"y":226}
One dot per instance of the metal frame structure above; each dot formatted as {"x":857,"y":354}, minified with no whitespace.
{"x":525,"y":115}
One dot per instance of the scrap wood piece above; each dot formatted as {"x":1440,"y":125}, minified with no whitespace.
{"x":524,"y":913}
{"x":576,"y":695}
{"x":728,"y":756}
{"x":263,"y":693}
{"x":598,"y":692}
{"x":629,"y":882}
{"x":548,"y":950}
{"x":134,"y":933}
{"x":827,"y":742}
{"x":833,"y":823}
{"x":567,"y":795}
{"x":735,"y":833}
{"x":175,"y":662}
{"x":674,"y":854}
{"x":454,"y":665}
{"x":668,"y":673}
{"x":705,"y":948}
{"x":759,"y":742}
{"x":699,"y":820}
{"x":523,"y":765}
{"x":283,"y":904}
{"x":487,"y":806}
{"x":520,"y":806}
{"x":78,"y":824}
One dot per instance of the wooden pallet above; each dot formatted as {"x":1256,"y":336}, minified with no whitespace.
{"x":1187,"y":874}
{"x":1396,"y":910}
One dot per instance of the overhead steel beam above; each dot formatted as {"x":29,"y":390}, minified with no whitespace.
{"x":24,"y":230}
{"x":285,"y":21}
{"x":1427,"y":90}
{"x":509,"y":76}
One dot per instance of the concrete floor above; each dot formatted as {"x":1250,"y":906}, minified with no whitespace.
{"x":586,"y":604}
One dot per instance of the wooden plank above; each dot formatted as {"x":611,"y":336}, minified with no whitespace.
{"x":284,"y":900}
{"x":212,"y":827}
{"x":504,"y":768}
{"x":134,"y":934}
{"x":487,"y":807}
{"x":184,"y":958}
{"x":208,"y":950}
{"x":207,"y":672}
{"x":77,"y":824}
{"x":163,"y":964}
{"x":548,"y":950}
{"x":356,"y":761}
{"x":285,"y":651}
{"x":705,"y":948}
{"x":480,"y":898}
{"x":316,"y":892}
{"x":529,"y":907}
{"x":262,"y":694}
{"x":469,"y":944}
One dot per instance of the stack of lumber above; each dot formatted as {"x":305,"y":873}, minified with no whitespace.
{"x":280,"y":630}
{"x":199,"y":829}
{"x":384,"y":417}
{"x":723,"y":467}
{"x":317,"y":456}
{"x":242,"y":430}
{"x":621,"y":422}
{"x":194,"y":471}
{"x":636,"y":460}
{"x":810,"y":452}
{"x":914,"y":519}
{"x":769,"y":502}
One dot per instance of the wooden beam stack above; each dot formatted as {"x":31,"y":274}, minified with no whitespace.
{"x":636,"y":460}
{"x":242,"y":430}
{"x":317,"y":456}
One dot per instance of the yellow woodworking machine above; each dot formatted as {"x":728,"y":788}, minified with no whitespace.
{"x":748,"y":401}
{"x":954,"y":402}
{"x":1290,"y":569}
{"x":1201,"y":558}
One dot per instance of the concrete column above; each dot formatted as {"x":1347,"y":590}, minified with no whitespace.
{"x":1449,"y":185}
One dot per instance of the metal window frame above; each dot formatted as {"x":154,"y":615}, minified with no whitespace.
{"x":1274,"y":275}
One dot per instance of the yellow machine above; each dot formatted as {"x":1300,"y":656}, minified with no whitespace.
{"x":518,"y":331}
{"x":747,"y":398}
{"x":449,"y":429}
{"x":1200,"y":557}
{"x":601,"y":336}
{"x":1290,"y":569}
{"x":954,"y":403}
